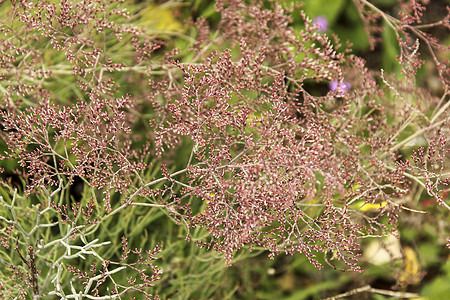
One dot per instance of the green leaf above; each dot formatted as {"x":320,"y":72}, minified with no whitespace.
{"x":390,"y":50}
{"x":439,"y":287}
{"x":316,"y":8}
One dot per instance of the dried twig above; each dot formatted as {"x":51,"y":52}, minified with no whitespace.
{"x":369,"y":289}
{"x":31,"y":264}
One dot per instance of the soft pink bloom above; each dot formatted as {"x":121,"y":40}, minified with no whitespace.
{"x":322,"y":23}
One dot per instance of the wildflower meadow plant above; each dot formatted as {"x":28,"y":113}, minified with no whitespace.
{"x":112,"y":133}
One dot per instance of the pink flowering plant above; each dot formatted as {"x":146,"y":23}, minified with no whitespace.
{"x":113,"y":132}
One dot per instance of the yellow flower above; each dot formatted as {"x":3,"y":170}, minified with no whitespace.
{"x":368,"y":206}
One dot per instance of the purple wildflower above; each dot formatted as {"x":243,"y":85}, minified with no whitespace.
{"x":322,"y":23}
{"x":341,"y":88}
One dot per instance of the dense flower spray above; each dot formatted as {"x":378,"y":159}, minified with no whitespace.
{"x":235,"y":143}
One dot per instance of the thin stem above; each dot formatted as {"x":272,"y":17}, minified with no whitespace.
{"x":369,"y":289}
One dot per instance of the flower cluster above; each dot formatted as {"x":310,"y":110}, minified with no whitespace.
{"x":234,"y":141}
